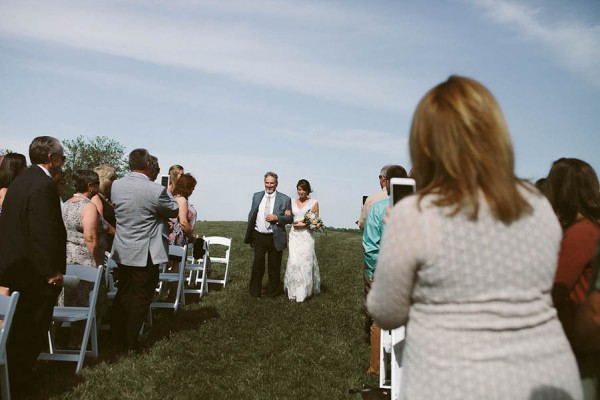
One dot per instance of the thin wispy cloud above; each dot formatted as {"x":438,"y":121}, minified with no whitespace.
{"x":226,"y":46}
{"x":574,"y":44}
{"x":360,"y":140}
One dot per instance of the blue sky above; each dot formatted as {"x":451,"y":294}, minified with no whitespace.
{"x":321,"y":90}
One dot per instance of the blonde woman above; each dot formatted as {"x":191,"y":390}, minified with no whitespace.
{"x":175,"y":171}
{"x":107,"y":174}
{"x":468,"y":262}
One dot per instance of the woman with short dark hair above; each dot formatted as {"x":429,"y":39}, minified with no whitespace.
{"x":183,"y":231}
{"x":84,"y":227}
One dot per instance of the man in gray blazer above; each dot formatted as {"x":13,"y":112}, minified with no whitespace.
{"x":141,"y":209}
{"x":266,"y":234}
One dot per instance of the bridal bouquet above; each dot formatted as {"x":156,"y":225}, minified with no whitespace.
{"x":313,"y":222}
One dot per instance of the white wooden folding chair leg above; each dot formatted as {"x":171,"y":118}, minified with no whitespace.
{"x":385,"y":348}
{"x":50,"y":343}
{"x":397,"y":339}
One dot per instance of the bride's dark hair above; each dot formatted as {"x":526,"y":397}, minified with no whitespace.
{"x":305,"y":185}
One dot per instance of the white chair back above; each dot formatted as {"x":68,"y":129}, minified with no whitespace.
{"x":215,"y":241}
{"x":73,"y":314}
{"x":167,"y":277}
{"x":198,"y":273}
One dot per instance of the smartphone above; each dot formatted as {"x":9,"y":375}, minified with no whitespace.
{"x":164,"y":180}
{"x":401,"y":187}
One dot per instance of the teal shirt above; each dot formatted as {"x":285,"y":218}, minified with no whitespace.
{"x":372,"y":234}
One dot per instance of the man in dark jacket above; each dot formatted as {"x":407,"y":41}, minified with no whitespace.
{"x":32,"y":257}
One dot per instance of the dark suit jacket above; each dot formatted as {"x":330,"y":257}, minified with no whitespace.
{"x":33,"y":238}
{"x":282,"y":203}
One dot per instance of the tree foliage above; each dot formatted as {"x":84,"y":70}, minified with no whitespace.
{"x":88,"y":153}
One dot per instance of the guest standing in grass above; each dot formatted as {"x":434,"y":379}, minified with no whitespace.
{"x":468,"y":263}
{"x":573,"y":189}
{"x":85,"y":228}
{"x":371,"y":242}
{"x":183,"y":226}
{"x":107,"y":175}
{"x":141,"y":207}
{"x":175,"y":171}
{"x":32,"y":258}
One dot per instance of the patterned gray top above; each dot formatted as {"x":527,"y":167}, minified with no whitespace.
{"x":475,"y":296}
{"x":77,"y":251}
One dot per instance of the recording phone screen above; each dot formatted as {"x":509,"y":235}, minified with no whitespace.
{"x":400,"y":188}
{"x":164,"y":180}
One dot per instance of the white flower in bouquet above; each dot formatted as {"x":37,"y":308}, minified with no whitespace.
{"x":313,"y":222}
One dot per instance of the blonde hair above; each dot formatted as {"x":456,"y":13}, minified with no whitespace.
{"x":106,"y":173}
{"x":174,"y":171}
{"x":460,"y":147}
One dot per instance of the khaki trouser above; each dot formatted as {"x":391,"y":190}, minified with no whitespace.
{"x":374,"y":334}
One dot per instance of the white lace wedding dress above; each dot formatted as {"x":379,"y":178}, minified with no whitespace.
{"x":302,"y":277}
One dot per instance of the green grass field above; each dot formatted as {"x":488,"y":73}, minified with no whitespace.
{"x":230,"y":346}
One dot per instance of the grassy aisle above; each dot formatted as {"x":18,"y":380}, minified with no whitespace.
{"x":230,"y":346}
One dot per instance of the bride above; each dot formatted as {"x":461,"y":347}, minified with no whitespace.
{"x":302,"y":272}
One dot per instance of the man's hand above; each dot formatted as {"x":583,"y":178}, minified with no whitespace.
{"x":272,"y":218}
{"x":56,"y":280}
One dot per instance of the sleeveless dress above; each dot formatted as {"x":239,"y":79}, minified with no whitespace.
{"x":78,"y":253}
{"x":302,"y":277}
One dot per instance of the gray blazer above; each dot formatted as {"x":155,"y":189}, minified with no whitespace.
{"x":141,"y":210}
{"x":282,"y":203}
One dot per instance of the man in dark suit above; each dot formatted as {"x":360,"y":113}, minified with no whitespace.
{"x":266,"y":234}
{"x":32,"y":257}
{"x":140,"y":245}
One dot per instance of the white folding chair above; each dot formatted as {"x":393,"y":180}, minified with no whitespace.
{"x":111,"y":289}
{"x":168,"y":277}
{"x":74,"y":314}
{"x":390,"y":350}
{"x":8,"y":305}
{"x":219,"y":241}
{"x":197,"y":270}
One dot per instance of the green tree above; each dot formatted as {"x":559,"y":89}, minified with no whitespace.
{"x":88,"y":153}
